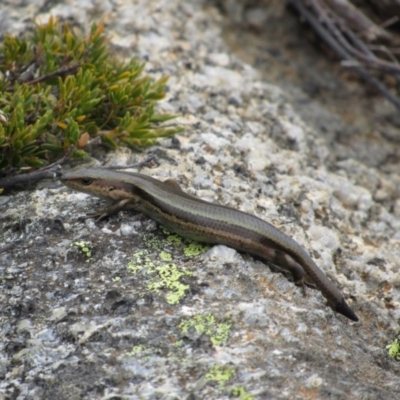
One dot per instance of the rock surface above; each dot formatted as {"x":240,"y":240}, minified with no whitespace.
{"x":123,"y":309}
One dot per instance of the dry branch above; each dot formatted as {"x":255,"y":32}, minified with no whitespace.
{"x":361,"y":45}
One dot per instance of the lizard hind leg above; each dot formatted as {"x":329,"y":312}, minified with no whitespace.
{"x":283,"y":260}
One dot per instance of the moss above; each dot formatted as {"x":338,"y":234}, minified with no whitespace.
{"x":59,"y":88}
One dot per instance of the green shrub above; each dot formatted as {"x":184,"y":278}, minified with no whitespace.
{"x":58,"y":89}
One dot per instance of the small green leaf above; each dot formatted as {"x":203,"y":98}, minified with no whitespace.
{"x":34,"y":162}
{"x":28,"y":150}
{"x":72,"y":132}
{"x":106,"y":139}
{"x":18,"y":145}
{"x":80,"y":154}
{"x":52,"y":147}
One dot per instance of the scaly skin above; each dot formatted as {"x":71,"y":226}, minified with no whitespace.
{"x":197,"y":219}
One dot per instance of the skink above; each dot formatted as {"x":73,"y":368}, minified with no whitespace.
{"x":199,"y":220}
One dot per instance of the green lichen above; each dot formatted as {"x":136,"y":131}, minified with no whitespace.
{"x":218,"y":333}
{"x":165,"y":230}
{"x":143,"y":352}
{"x":222,"y":374}
{"x":133,"y":267}
{"x":174,"y":239}
{"x":152,"y":241}
{"x":58,"y":88}
{"x":394,"y":349}
{"x":141,"y":260}
{"x":136,"y":350}
{"x":168,"y":277}
{"x":165,"y":256}
{"x":162,"y":277}
{"x":195,"y":248}
{"x":219,"y":374}
{"x":84,"y":247}
{"x":240,"y":391}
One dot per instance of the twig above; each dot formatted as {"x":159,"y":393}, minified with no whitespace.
{"x":51,"y":171}
{"x":27,"y":179}
{"x":333,"y":31}
{"x":65,"y":157}
{"x":58,"y":72}
{"x":358,"y":20}
{"x":391,"y":21}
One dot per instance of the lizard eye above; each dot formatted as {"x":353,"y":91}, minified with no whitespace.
{"x":86,"y":181}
